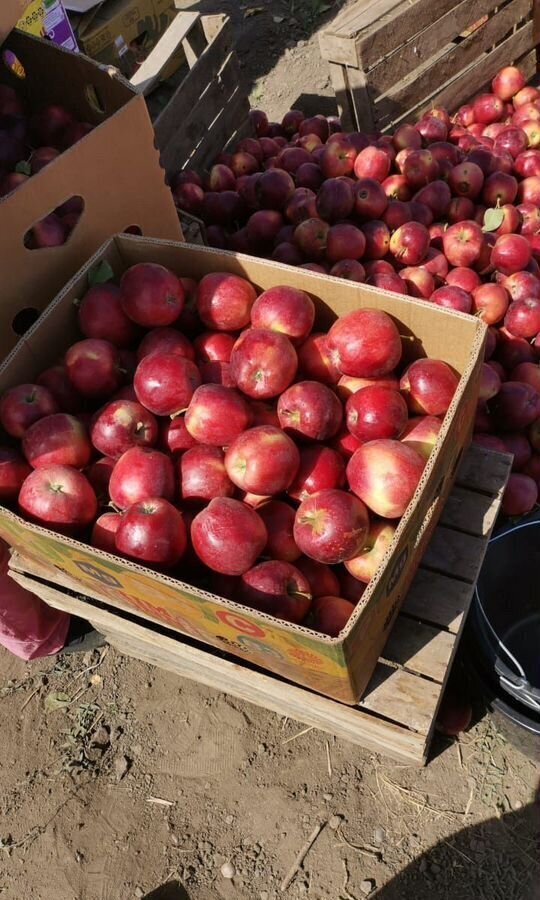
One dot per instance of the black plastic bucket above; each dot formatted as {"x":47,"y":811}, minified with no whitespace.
{"x":502,"y":641}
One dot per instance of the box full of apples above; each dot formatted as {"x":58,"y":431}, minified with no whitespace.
{"x":252,"y":454}
{"x":446,"y":210}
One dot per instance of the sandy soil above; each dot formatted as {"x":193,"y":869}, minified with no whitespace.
{"x":120,"y":781}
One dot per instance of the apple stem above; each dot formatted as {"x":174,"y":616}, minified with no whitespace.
{"x":407,"y":337}
{"x":115,"y":507}
{"x":302,"y":594}
{"x":179,"y":413}
{"x":77,"y":301}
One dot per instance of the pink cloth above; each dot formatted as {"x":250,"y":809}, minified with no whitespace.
{"x":28,"y":627}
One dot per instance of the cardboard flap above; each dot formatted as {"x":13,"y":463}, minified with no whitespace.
{"x":10,"y":13}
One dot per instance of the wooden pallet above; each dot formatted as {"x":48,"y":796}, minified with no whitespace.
{"x":208,"y":106}
{"x":391,"y":60}
{"x":397,"y":713}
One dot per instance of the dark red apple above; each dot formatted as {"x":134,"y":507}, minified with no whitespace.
{"x":228,"y":536}
{"x":59,"y":439}
{"x":151,"y":295}
{"x":515,"y":407}
{"x":344,"y":241}
{"x":410,"y":243}
{"x":58,"y":497}
{"x":365,"y":343}
{"x":277,"y":588}
{"x":164,"y":383}
{"x":174,"y":436}
{"x":315,"y":359}
{"x":429,"y":386}
{"x":202,"y":474}
{"x":349,"y":269}
{"x":331,"y":526}
{"x":377,"y":238}
{"x":224,"y":301}
{"x":462,"y":243}
{"x":310,"y":410}
{"x":372,"y":162}
{"x":263,"y":460}
{"x":165,"y":340}
{"x":23,"y":405}
{"x":331,"y":614}
{"x":286,"y":310}
{"x":518,"y":445}
{"x":520,"y":495}
{"x":103,"y":535}
{"x":321,"y":468}
{"x":452,"y":297}
{"x":522,"y":318}
{"x":511,"y":253}
{"x":466,"y":180}
{"x":385,"y":475}
{"x":335,"y":199}
{"x":13,"y":471}
{"x":101,"y":316}
{"x":152,"y":531}
{"x":216,"y":415}
{"x":370,"y":199}
{"x":490,"y":301}
{"x":93,"y":367}
{"x":278,"y":518}
{"x":120,"y":425}
{"x":140,"y":473}
{"x":99,"y":476}
{"x":376,"y":412}
{"x":310,"y":237}
{"x":263,"y":363}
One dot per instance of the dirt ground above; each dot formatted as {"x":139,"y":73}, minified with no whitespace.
{"x":120,"y":781}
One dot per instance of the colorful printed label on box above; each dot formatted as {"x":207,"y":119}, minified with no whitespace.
{"x":48,"y":18}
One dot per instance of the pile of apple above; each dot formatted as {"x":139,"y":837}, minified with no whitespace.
{"x":28,"y":143}
{"x":209,"y":432}
{"x":445,"y":210}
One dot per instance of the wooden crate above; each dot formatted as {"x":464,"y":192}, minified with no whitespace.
{"x":391,"y":60}
{"x":208,"y":106}
{"x":397,"y":713}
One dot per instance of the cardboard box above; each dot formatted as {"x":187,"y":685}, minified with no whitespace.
{"x":122,"y":32}
{"x":10,"y":13}
{"x":48,"y":18}
{"x":115,"y":169}
{"x":339,"y":667}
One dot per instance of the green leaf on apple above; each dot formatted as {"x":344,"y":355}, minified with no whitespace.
{"x":100,"y":274}
{"x":23,"y":167}
{"x":493,"y":219}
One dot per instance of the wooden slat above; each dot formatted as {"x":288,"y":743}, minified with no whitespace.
{"x":147,"y":75}
{"x":397,"y":65}
{"x":168,"y":126}
{"x":195,"y":43}
{"x":438,"y":599}
{"x":390,"y":32}
{"x":453,"y":553}
{"x":448,"y":62}
{"x":470,"y":512}
{"x":230,"y":118}
{"x":421,"y":649}
{"x":483,"y":470}
{"x":253,"y":686}
{"x":338,"y":75}
{"x":401,"y":697}
{"x":361,"y":100}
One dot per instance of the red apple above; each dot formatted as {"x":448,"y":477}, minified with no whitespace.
{"x":533,"y":434}
{"x":385,"y":475}
{"x":520,"y":495}
{"x":189,"y":197}
{"x":338,"y":158}
{"x":315,"y":359}
{"x":511,"y":253}
{"x":463,"y":243}
{"x":104,"y":532}
{"x":291,"y":158}
{"x":224,"y":301}
{"x":310,"y":410}
{"x":56,"y":380}
{"x":372,"y":162}
{"x":23,"y":405}
{"x":377,"y":238}
{"x":376,"y":545}
{"x":452,"y":297}
{"x":490,"y":301}
{"x":410,"y":243}
{"x":511,"y":351}
{"x":101,"y":316}
{"x":99,"y":475}
{"x":370,"y":200}
{"x":286,"y":310}
{"x":376,"y":412}
{"x":396,"y":213}
{"x":120,"y":425}
{"x":321,"y":468}
{"x":213,"y":346}
{"x":140,"y":473}
{"x":202,"y":474}
{"x":460,"y":209}
{"x":322,"y":579}
{"x":335,"y":199}
{"x":528,"y":373}
{"x":432,"y":129}
{"x":278,"y":518}
{"x":488,"y":108}
{"x":490,"y":383}
{"x":530,"y":218}
{"x":174,"y":436}
{"x":164,"y":383}
{"x":429,"y":386}
{"x":59,"y":439}
{"x":58,"y":497}
{"x":331,"y":526}
{"x":365,"y":343}
{"x":93,"y":367}
{"x":220,"y":178}
{"x":436,"y":196}
{"x":287,"y":253}
{"x":263,"y":363}
{"x":512,"y":140}
{"x":310,"y":237}
{"x":529,"y":190}
{"x":344,"y":241}
{"x":13,"y":471}
{"x":243,"y":163}
{"x":263,"y":460}
{"x":489,"y":442}
{"x":515,"y":406}
{"x":407,"y":136}
{"x":151,"y":295}
{"x":520,"y":448}
{"x":302,"y":205}
{"x":309,"y":175}
{"x":421,"y":433}
{"x":165,"y":340}
{"x":350,"y":269}
{"x":522,"y":318}
{"x":465,"y":278}
{"x":228,"y":536}
{"x":532,"y":469}
{"x":276,"y":588}
{"x":420,"y":167}
{"x":419,"y":282}
{"x":395,"y":187}
{"x":216,"y":415}
{"x":331,"y":614}
{"x":152,"y":531}
{"x":507,"y":82}
{"x":259,"y":120}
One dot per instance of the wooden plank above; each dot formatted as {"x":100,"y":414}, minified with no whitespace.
{"x":213,"y":99}
{"x":285,"y":699}
{"x":453,"y":553}
{"x":447,"y":62}
{"x":338,"y":75}
{"x":419,"y":648}
{"x":195,"y":43}
{"x":399,"y":696}
{"x":438,"y":599}
{"x":483,"y":470}
{"x":230,"y":118}
{"x":339,"y":50}
{"x":147,"y":75}
{"x":470,"y":512}
{"x":397,"y":65}
{"x":361,"y":100}
{"x":168,"y":125}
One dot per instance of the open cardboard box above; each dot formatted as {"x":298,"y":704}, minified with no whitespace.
{"x":339,"y":667}
{"x":115,"y":169}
